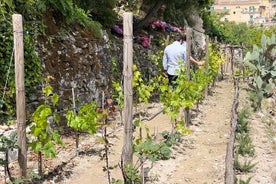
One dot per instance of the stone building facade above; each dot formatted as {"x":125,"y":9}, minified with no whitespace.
{"x":247,"y":11}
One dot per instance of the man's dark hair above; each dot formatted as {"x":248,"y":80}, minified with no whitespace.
{"x":179,"y":37}
{"x":184,"y":38}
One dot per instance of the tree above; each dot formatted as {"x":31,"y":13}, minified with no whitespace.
{"x":106,"y":16}
{"x":232,"y":32}
{"x":173,"y":10}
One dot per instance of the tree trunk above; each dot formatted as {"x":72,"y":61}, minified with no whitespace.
{"x":151,"y":13}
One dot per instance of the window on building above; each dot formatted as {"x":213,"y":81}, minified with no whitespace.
{"x":251,"y":18}
{"x":251,"y":8}
{"x":234,"y":12}
{"x":225,"y":8}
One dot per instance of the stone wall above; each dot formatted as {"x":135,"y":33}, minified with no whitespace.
{"x":78,"y":61}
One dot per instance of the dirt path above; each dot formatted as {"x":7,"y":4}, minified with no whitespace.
{"x":197,"y":159}
{"x":201,"y":156}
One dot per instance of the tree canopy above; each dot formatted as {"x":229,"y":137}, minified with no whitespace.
{"x":174,"y":11}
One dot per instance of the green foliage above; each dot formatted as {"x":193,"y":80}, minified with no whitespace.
{"x":186,"y":93}
{"x":170,"y":138}
{"x":245,"y":167}
{"x":143,"y":91}
{"x":106,"y":16}
{"x":74,"y":14}
{"x":82,"y":17}
{"x":118,"y":95}
{"x":132,"y":174}
{"x":177,"y":10}
{"x":128,"y":6}
{"x":215,"y":60}
{"x":245,"y":146}
{"x":31,"y":177}
{"x":32,"y":63}
{"x":240,"y":181}
{"x":157,"y":57}
{"x":86,"y":119}
{"x":243,"y":124}
{"x":6,"y":144}
{"x":231,"y":32}
{"x":45,"y":138}
{"x":255,"y":100}
{"x":152,"y":151}
{"x":262,"y":64}
{"x":114,"y":181}
{"x":213,"y":26}
{"x":19,"y":180}
{"x":182,"y":129}
{"x":148,"y":149}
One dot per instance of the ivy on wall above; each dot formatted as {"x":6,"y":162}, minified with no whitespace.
{"x":32,"y":13}
{"x":33,"y":69}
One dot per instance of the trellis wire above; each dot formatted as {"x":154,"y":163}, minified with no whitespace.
{"x":8,"y":73}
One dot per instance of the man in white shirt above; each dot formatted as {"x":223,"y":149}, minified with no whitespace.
{"x":174,"y":57}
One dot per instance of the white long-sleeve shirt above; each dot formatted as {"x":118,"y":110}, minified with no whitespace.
{"x":173,"y":55}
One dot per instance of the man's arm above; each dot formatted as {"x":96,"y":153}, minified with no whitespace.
{"x":199,"y":63}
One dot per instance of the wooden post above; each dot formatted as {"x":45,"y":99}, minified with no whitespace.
{"x":20,"y":92}
{"x":232,"y":59}
{"x":188,"y":51}
{"x":207,"y":63}
{"x":150,"y":40}
{"x":229,"y":159}
{"x":222,"y":66}
{"x":168,"y":40}
{"x":243,"y":65}
{"x":106,"y":146}
{"x":216,"y":78}
{"x":127,"y":151}
{"x":77,"y":134}
{"x":188,"y":65}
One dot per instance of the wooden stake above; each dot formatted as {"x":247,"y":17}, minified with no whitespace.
{"x":77,"y":133}
{"x":127,"y":151}
{"x":188,"y":51}
{"x":207,"y":63}
{"x":167,"y":40}
{"x":20,"y":92}
{"x":188,"y":65}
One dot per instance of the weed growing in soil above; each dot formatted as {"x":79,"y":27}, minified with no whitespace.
{"x":245,"y":146}
{"x":245,"y":167}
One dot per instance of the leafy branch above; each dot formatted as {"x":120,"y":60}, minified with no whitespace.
{"x":85,"y":120}
{"x":44,"y":137}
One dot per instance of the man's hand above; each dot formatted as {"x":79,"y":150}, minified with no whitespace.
{"x":165,"y":73}
{"x":201,"y":63}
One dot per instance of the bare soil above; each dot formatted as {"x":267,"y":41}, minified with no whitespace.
{"x":199,"y":158}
